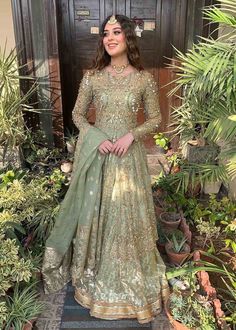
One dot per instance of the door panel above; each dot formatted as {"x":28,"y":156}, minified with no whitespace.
{"x":93,"y":7}
{"x":82,"y":29}
{"x":143,"y":9}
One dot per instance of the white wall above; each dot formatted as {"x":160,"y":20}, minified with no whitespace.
{"x":6,"y":25}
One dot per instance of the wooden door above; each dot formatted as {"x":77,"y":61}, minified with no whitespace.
{"x":172,"y":22}
{"x":55,"y":42}
{"x":79,"y":44}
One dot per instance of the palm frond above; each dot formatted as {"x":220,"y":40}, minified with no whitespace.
{"x":231,"y":168}
{"x":217,"y":15}
{"x":12,"y":102}
{"x":191,"y":174}
{"x":221,"y":129}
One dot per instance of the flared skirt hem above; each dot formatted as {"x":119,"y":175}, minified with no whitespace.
{"x":119,"y":310}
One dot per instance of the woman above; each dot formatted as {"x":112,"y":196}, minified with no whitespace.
{"x":108,"y":214}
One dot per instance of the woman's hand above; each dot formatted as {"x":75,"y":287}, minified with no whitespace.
{"x":105,"y":147}
{"x":121,"y":146}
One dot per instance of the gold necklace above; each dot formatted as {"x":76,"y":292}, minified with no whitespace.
{"x":119,"y":69}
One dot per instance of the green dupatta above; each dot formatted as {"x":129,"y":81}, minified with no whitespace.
{"x":78,"y":209}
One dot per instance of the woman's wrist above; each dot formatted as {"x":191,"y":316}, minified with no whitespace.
{"x":132,"y":135}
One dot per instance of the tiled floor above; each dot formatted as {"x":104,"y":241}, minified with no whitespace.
{"x":51,"y":318}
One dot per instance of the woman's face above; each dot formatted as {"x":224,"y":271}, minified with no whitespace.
{"x":114,"y":40}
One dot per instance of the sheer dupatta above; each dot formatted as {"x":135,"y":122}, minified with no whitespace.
{"x":78,"y":210}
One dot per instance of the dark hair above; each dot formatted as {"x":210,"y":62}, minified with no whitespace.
{"x":103,"y":59}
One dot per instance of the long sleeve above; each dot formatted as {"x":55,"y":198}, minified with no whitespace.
{"x":82,"y":103}
{"x":151,"y":110}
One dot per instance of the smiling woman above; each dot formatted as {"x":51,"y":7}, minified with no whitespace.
{"x":114,"y":41}
{"x":108,"y":213}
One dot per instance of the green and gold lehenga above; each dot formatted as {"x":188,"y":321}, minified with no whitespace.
{"x":104,"y":238}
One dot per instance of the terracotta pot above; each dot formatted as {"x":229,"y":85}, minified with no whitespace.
{"x":158,"y":210}
{"x":29,"y":325}
{"x":177,"y":258}
{"x":176,"y":324}
{"x":37,"y":275}
{"x":161,"y":247}
{"x":175,"y":169}
{"x":194,"y":190}
{"x":170,"y":220}
{"x":184,"y":227}
{"x":210,"y":291}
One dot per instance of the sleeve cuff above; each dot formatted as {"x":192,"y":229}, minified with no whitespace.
{"x":135,"y":135}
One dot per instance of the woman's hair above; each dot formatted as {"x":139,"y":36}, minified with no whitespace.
{"x":103,"y":59}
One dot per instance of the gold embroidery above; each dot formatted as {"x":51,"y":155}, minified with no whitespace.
{"x":109,"y":311}
{"x":56,"y":269}
{"x":83,"y":101}
{"x":116,"y":105}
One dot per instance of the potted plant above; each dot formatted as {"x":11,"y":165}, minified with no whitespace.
{"x":71,"y":139}
{"x":12,"y":106}
{"x":207,"y":114}
{"x":189,"y":308}
{"x":210,"y":291}
{"x":215,"y":224}
{"x":224,"y":309}
{"x":190,"y":311}
{"x":161,"y":241}
{"x":163,"y":236}
{"x":23,"y":308}
{"x":199,"y":151}
{"x":170,"y":220}
{"x":177,"y":249}
{"x":38,"y":157}
{"x":16,"y":270}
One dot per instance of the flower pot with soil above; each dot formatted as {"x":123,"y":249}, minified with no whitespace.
{"x":200,"y":154}
{"x":177,"y":250}
{"x":164,"y":235}
{"x":212,"y":187}
{"x":29,"y":325}
{"x":184,"y":227}
{"x":176,"y":324}
{"x":161,"y":238}
{"x":210,"y":291}
{"x":202,"y":301}
{"x":188,"y":311}
{"x":170,"y":220}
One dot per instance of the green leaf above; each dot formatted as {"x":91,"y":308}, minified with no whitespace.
{"x":232,"y":117}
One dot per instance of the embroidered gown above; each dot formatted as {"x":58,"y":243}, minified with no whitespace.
{"x":124,"y":275}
